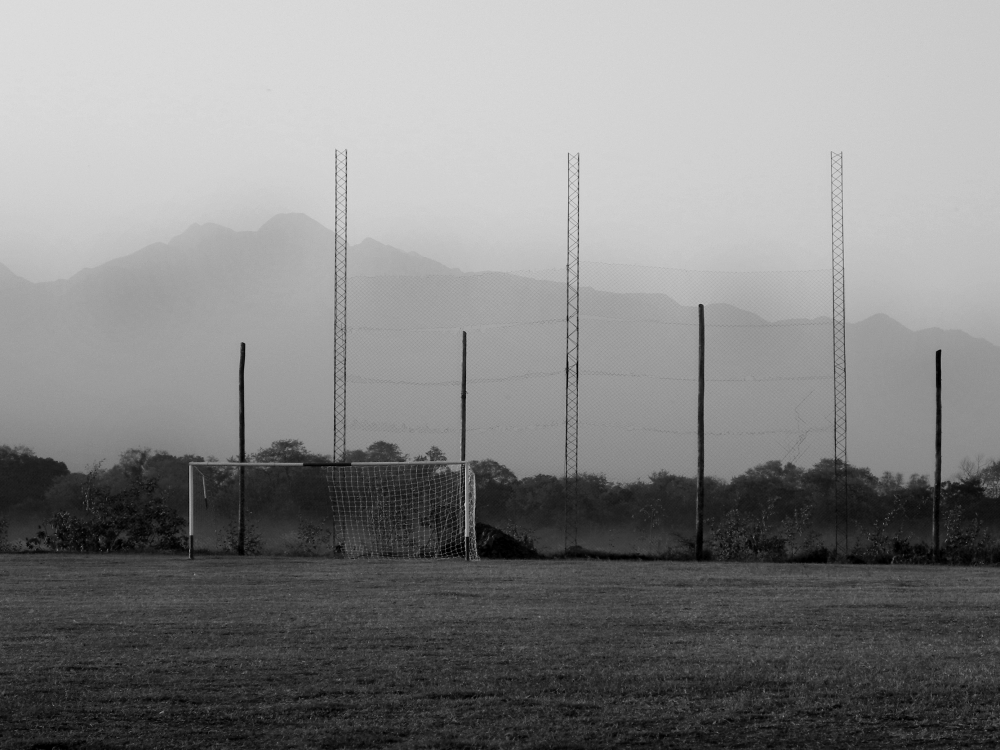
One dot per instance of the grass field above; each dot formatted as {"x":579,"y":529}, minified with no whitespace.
{"x":159,"y":651}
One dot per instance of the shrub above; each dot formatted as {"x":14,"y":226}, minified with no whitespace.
{"x":511,"y":544}
{"x":133,"y":519}
{"x":802,"y":541}
{"x":38,"y":542}
{"x":967,"y":542}
{"x":881,"y":545}
{"x":906,"y":552}
{"x":964,"y":542}
{"x":741,"y":537}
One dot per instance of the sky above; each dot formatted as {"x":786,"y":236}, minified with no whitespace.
{"x":704,"y":128}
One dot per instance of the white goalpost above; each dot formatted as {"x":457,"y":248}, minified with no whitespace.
{"x":412,"y":509}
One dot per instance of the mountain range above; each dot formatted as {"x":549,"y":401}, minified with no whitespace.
{"x":144,"y":351}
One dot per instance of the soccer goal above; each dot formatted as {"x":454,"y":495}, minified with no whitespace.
{"x":414,"y":509}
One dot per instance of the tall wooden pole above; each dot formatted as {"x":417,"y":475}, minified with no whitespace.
{"x":190,"y":512}
{"x":936,"y":523}
{"x":699,"y":529}
{"x":465,"y":470}
{"x":241,"y":539}
{"x":464,"y":359}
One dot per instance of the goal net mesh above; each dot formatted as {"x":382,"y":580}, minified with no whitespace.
{"x":404,"y":510}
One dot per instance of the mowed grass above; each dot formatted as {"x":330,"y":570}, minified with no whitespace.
{"x":159,"y":651}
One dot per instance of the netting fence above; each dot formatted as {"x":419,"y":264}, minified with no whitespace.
{"x":769,"y":385}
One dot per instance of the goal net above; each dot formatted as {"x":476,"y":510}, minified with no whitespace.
{"x":414,"y":509}
{"x":421,"y":509}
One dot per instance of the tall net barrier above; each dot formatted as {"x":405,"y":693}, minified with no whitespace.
{"x":769,"y":387}
{"x":406,"y":510}
{"x":768,"y":393}
{"x":768,"y":370}
{"x":769,"y":400}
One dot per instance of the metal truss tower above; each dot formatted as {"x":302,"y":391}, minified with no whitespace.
{"x":841,"y":498}
{"x":572,"y":349}
{"x":340,"y":310}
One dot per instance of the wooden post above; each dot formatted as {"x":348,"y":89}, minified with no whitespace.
{"x":464,"y":360}
{"x":190,"y":512}
{"x":699,"y":528}
{"x":241,"y":538}
{"x":465,"y":470}
{"x":936,"y":522}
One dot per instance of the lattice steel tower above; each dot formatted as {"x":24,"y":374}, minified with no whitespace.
{"x":340,"y":310}
{"x":572,"y":348}
{"x":841,"y":499}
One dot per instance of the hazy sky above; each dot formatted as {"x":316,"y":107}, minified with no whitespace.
{"x":705,"y":131}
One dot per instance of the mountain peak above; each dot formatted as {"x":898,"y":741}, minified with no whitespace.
{"x":199,"y":234}
{"x":881,"y":319}
{"x":292,"y":221}
{"x":295,"y":228}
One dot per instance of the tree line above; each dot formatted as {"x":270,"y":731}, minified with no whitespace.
{"x":779,"y":490}
{"x":141,"y":501}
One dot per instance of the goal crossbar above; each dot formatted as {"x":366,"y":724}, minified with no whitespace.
{"x":469,"y":512}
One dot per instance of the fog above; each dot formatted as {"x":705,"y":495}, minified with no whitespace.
{"x":704,"y":129}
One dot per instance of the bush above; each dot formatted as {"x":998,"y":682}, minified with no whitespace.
{"x":132,"y":519}
{"x":802,"y":541}
{"x":512,"y":544}
{"x":742,"y":537}
{"x":967,"y":542}
{"x":897,"y":549}
{"x":886,"y":546}
{"x":964,"y":542}
{"x":739,"y":537}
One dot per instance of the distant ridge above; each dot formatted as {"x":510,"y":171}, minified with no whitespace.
{"x":283,"y":239}
{"x":371,"y":258}
{"x":141,"y":351}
